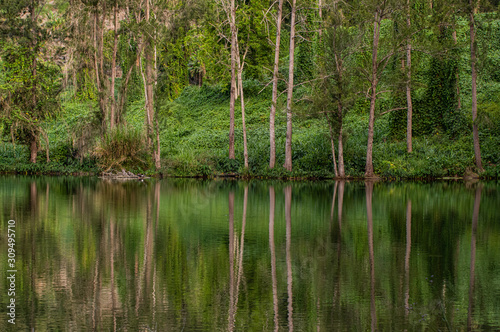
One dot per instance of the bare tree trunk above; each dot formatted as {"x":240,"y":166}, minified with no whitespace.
{"x":33,"y":148}
{"x":409,"y":146}
{"x":34,"y":135}
{"x":320,"y":14}
{"x":341,"y":155}
{"x":335,"y":169}
{"x":232,"y":99}
{"x":102,"y":89}
{"x":459,"y":100}
{"x":240,"y":65}
{"x":475,"y":130}
{"x":289,"y":99}
{"x":149,"y":83}
{"x":96,"y":59}
{"x":113,"y":69}
{"x":272,"y":115}
{"x":373,"y":97}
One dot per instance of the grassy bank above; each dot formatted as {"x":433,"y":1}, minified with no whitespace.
{"x":194,"y":142}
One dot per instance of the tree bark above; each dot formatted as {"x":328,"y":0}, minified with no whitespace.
{"x":289,"y":99}
{"x":409,"y":145}
{"x":459,"y":100}
{"x":233,"y":79}
{"x":475,"y":130}
{"x":102,"y":90}
{"x":148,"y":59}
{"x":33,"y":148}
{"x":341,"y":151}
{"x":112,"y":100}
{"x":332,"y":143}
{"x":242,"y":100}
{"x":373,"y":97}
{"x":272,"y":115}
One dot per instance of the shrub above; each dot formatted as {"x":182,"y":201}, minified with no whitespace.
{"x":122,"y":147}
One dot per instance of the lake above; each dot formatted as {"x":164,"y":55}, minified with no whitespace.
{"x":225,"y":255}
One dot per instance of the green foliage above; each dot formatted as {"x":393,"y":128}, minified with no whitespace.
{"x":122,"y":147}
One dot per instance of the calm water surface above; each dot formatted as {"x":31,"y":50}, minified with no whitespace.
{"x":196,"y":255}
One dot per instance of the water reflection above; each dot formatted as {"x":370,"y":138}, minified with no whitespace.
{"x":289,"y":276}
{"x":223,"y":255}
{"x":369,"y":217}
{"x":475,"y":217}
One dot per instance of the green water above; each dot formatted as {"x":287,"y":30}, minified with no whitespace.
{"x":196,"y":255}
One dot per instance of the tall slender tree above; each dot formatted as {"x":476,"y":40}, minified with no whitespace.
{"x":409,"y":103}
{"x":289,"y":99}
{"x":272,"y":115}
{"x":475,"y":129}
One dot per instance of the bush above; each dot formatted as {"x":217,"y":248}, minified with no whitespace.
{"x":122,"y":148}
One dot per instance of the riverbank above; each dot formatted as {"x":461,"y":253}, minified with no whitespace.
{"x":194,"y":131}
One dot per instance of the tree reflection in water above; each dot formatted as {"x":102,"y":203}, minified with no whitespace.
{"x":97,"y":255}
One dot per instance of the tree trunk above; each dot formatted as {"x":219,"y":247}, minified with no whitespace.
{"x":113,"y":69}
{"x":373,"y":97}
{"x":148,"y":59}
{"x":289,"y":99}
{"x":475,"y":130}
{"x":409,"y":146}
{"x":272,"y":140}
{"x":96,"y":59}
{"x":34,"y":101}
{"x":33,"y":148}
{"x":459,"y":100}
{"x":332,"y":143}
{"x":341,"y":148}
{"x":240,"y":64}
{"x":242,"y":100}
{"x":233,"y":79}
{"x":102,"y":91}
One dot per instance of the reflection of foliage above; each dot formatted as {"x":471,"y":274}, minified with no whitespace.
{"x":170,"y":239}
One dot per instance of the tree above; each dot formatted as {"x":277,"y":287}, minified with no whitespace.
{"x":289,"y":99}
{"x":409,"y":123}
{"x":475,"y":130}
{"x":334,"y":91}
{"x":272,"y":115}
{"x":31,"y":83}
{"x":380,"y":10}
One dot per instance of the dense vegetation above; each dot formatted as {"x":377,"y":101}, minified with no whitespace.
{"x":390,"y":88}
